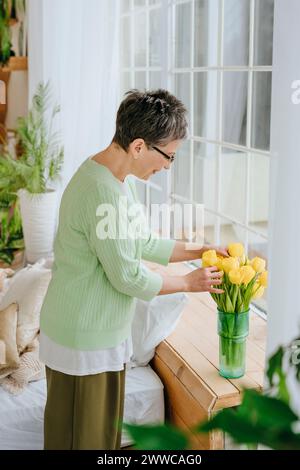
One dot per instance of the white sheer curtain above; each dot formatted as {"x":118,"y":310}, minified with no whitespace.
{"x":284,"y":253}
{"x":75,"y":45}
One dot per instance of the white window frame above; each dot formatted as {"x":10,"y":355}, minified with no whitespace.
{"x":168,"y":72}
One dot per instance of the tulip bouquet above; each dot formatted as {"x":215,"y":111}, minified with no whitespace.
{"x":243,"y":280}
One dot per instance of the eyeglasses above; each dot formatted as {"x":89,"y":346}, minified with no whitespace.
{"x":171,"y":159}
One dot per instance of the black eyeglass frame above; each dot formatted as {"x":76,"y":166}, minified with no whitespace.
{"x":171,"y":159}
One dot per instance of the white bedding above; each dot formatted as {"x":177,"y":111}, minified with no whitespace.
{"x":21,"y":416}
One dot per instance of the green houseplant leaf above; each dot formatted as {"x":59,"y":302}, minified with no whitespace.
{"x":42,"y":157}
{"x":260,"y":419}
{"x":157,"y":437}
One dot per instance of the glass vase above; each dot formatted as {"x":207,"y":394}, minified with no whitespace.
{"x":233,"y":329}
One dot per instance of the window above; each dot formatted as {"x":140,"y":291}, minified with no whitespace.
{"x":216,"y":55}
{"x":142,"y":60}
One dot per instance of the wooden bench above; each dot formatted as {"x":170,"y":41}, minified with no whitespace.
{"x":187,"y":363}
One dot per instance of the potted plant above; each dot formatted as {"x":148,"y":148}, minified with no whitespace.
{"x":31,"y":175}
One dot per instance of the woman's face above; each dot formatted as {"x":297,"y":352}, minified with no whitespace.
{"x":148,"y":161}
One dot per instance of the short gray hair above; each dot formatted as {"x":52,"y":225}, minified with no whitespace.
{"x":157,"y":117}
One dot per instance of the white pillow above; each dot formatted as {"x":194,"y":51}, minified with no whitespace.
{"x":152,"y":323}
{"x":27,"y":288}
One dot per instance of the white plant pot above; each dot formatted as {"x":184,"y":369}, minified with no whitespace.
{"x":38,"y":212}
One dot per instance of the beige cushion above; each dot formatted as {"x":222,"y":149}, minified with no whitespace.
{"x":27,"y":288}
{"x":8,"y":335}
{"x":2,"y":351}
{"x":30,"y":369}
{"x":4,"y":273}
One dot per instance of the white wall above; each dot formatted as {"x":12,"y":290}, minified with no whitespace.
{"x":284,"y":253}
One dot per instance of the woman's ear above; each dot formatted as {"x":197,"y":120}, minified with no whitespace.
{"x":136,"y":148}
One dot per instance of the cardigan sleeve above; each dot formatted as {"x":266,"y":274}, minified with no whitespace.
{"x":156,"y":249}
{"x":115,"y":250}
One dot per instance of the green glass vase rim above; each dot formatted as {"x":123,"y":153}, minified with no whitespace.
{"x":232,"y":313}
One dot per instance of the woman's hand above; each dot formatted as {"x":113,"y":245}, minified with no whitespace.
{"x":204,"y":280}
{"x":220,"y":250}
{"x":185,"y":251}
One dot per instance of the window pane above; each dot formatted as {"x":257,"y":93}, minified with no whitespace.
{"x":154,"y":2}
{"x":139,"y":3}
{"x":183,"y":35}
{"x":140,"y":39}
{"x":125,"y":47}
{"x":155,"y":37}
{"x":154,"y":80}
{"x":236,"y":32}
{"x":263,"y":32}
{"x":206,"y":33}
{"x":160,"y":220}
{"x":261,"y":110}
{"x":235,"y":107}
{"x":156,"y":196}
{"x":233,"y":184}
{"x":259,"y":193}
{"x":205,"y":104}
{"x":205,"y":174}
{"x":181,"y":170}
{"x":159,"y":178}
{"x":232,"y":233}
{"x":222,"y":231}
{"x":125,"y":5}
{"x":258,"y":246}
{"x":182,"y":89}
{"x":140,"y":80}
{"x":126,"y":82}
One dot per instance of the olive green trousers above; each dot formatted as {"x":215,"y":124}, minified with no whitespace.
{"x":84,"y":412}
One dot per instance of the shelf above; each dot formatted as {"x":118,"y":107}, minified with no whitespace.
{"x":16,"y":64}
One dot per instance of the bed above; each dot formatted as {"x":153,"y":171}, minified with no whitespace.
{"x":21,"y":416}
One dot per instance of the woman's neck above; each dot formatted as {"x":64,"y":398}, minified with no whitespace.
{"x":116,"y":160}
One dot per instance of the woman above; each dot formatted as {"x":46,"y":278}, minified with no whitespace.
{"x":97,"y":275}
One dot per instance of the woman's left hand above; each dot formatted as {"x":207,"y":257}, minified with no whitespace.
{"x":220,"y":250}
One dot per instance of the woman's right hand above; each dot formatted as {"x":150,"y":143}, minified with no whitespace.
{"x":199,"y":280}
{"x":204,"y":280}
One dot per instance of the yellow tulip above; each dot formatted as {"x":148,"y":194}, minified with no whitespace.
{"x":258,"y":291}
{"x":219,"y":263}
{"x":243,"y":260}
{"x":235,"y":276}
{"x":247,"y":273}
{"x":263,"y":279}
{"x":258,"y":264}
{"x":209,"y":258}
{"x":236,"y":250}
{"x":229,"y":264}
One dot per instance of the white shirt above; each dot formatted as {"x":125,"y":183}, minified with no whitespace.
{"x":75,"y":362}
